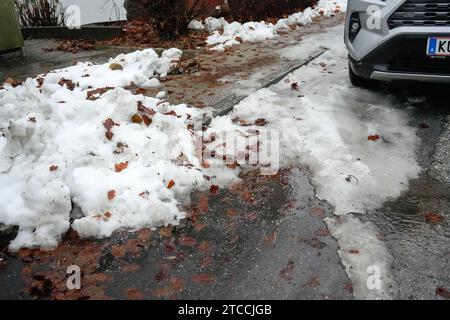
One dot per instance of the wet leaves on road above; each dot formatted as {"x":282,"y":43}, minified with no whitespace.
{"x":443,"y":292}
{"x":203,"y":278}
{"x":286,"y":273}
{"x":134,"y":294}
{"x":433,"y":218}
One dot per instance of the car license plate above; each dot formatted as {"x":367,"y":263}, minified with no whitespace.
{"x":438,"y":46}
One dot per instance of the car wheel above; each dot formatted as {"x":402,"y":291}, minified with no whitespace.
{"x":358,"y":81}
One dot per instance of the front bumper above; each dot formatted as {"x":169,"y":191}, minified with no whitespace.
{"x":398,"y":53}
{"x":403,"y":58}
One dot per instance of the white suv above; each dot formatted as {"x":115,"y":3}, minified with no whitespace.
{"x":398,"y":40}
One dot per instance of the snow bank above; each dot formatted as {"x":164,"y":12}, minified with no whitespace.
{"x":111,"y":153}
{"x":225,"y":35}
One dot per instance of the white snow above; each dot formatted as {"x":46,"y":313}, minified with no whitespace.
{"x":54,"y":152}
{"x":225,"y":35}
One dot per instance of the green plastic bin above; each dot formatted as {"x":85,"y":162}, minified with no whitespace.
{"x":10,"y":33}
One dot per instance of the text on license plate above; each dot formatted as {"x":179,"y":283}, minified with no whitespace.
{"x":438,"y":46}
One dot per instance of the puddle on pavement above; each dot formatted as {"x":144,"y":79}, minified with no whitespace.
{"x":420,"y":248}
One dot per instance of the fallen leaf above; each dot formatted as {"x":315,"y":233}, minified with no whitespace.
{"x":143,"y":109}
{"x":118,"y":251}
{"x":246,"y":196}
{"x":294,"y":86}
{"x":108,"y":124}
{"x":121,"y":166}
{"x":176,"y":284}
{"x":432,"y":217}
{"x":147,"y":121}
{"x":286,"y":273}
{"x":165,"y":232}
{"x":204,"y":247}
{"x":214,"y":189}
{"x":203,"y":278}
{"x":170,"y":184}
{"x":115,"y":66}
{"x":353,"y":251}
{"x":111,"y":194}
{"x":134,"y":294}
{"x":374,"y":137}
{"x":203,"y":203}
{"x":260,"y":122}
{"x":443,"y":292}
{"x":53,"y":168}
{"x":187,"y":241}
{"x":136,"y":119}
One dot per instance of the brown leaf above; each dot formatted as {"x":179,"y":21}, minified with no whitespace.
{"x":203,"y":278}
{"x":163,"y":274}
{"x":232,"y":213}
{"x":147,"y":121}
{"x":136,"y":119}
{"x":204,"y":247}
{"x":294,"y":86}
{"x":432,"y":217}
{"x":141,"y":91}
{"x":443,"y":292}
{"x":170,"y":184}
{"x":109,"y":135}
{"x":374,"y":137}
{"x":203,"y":203}
{"x":187,"y":241}
{"x":214,"y":189}
{"x":176,"y":284}
{"x":134,"y":294}
{"x":53,"y":168}
{"x":260,"y":122}
{"x":165,"y":232}
{"x":121,"y":166}
{"x":131,"y":268}
{"x":108,"y":124}
{"x":115,"y":66}
{"x":246,"y":196}
{"x":143,"y":109}
{"x":286,"y":273}
{"x":118,"y":251}
{"x":353,"y":251}
{"x":111,"y":194}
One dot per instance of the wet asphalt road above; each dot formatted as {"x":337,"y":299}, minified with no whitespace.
{"x":421,"y":250}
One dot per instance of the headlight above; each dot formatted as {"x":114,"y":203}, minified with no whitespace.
{"x":354,"y":26}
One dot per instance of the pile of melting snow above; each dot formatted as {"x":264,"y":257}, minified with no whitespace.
{"x":75,"y":138}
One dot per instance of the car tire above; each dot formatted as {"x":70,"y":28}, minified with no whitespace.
{"x":358,"y":81}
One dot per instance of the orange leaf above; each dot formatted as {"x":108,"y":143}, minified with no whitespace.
{"x":171,"y":184}
{"x":121,"y":166}
{"x":374,"y":137}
